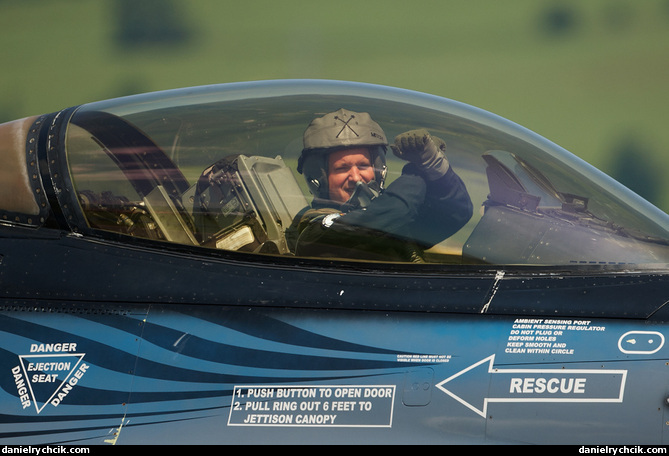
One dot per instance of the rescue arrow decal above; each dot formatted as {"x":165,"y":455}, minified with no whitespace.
{"x":481,"y":383}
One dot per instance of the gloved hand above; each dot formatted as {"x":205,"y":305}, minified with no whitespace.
{"x":425,"y":151}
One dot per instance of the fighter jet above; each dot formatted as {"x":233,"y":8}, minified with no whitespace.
{"x":152,"y":287}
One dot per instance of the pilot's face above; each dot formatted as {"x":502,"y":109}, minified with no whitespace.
{"x":345,"y":168}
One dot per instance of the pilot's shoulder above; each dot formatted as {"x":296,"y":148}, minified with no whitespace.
{"x":320,"y":215}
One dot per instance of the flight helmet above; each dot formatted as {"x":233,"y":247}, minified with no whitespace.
{"x":342,"y":129}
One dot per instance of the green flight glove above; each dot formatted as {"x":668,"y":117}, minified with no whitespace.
{"x":425,"y":151}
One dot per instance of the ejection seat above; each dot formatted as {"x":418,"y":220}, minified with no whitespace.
{"x":245,"y":203}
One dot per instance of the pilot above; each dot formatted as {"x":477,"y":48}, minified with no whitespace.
{"x":352,"y":214}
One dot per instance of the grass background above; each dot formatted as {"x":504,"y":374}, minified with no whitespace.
{"x":590,"y":75}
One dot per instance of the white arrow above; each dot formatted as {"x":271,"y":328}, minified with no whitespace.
{"x":532,"y":385}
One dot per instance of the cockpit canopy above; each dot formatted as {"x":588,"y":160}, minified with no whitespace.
{"x":215,"y":167}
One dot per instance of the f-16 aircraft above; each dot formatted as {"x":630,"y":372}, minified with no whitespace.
{"x":160,"y":281}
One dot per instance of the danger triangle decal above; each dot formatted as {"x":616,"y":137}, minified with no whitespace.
{"x":47,"y":378}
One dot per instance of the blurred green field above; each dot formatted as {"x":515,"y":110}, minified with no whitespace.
{"x":589,"y":75}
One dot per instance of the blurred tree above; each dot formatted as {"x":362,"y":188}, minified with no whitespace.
{"x":618,"y":15}
{"x":141,"y":23}
{"x":558,"y":20}
{"x":632,"y":164}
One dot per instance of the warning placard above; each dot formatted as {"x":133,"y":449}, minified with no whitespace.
{"x":303,"y":406}
{"x":48,"y":374}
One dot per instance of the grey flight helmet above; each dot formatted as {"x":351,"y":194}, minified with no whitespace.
{"x":342,"y":129}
